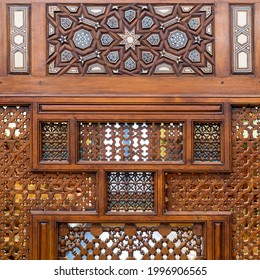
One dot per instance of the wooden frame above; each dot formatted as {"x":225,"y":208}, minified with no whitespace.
{"x":75,"y":99}
{"x":188,"y":114}
{"x":44,"y":242}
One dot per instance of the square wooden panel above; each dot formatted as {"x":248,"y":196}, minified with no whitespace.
{"x":130,"y":192}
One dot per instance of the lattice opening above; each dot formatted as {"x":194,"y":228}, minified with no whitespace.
{"x":130,"y":191}
{"x":131,"y":141}
{"x":207,"y":142}
{"x":54,"y":141}
{"x":130,"y":241}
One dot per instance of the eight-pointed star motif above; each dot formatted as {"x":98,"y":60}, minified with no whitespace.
{"x":130,"y":39}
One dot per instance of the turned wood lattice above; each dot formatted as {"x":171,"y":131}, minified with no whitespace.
{"x":22,"y":190}
{"x":207,"y":142}
{"x":130,"y":241}
{"x":131,"y":141}
{"x":54,"y":141}
{"x":130,"y":191}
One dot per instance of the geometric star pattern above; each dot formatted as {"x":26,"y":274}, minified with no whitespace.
{"x":171,"y":34}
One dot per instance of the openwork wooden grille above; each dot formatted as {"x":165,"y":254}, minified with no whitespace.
{"x":207,"y":142}
{"x":130,"y":191}
{"x":21,"y":190}
{"x":135,"y":39}
{"x":54,"y":141}
{"x":130,"y":241}
{"x":131,"y":141}
{"x":239,"y":191}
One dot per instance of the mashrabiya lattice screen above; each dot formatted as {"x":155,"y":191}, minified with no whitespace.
{"x":207,"y":143}
{"x":131,"y":141}
{"x":130,"y":241}
{"x":130,"y":39}
{"x":130,"y":191}
{"x":238,"y":192}
{"x":54,"y":141}
{"x":21,"y":190}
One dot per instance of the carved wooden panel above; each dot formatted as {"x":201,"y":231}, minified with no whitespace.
{"x":207,"y":144}
{"x":19,"y":36}
{"x":130,"y":39}
{"x":130,"y":241}
{"x":130,"y":191}
{"x":21,"y":190}
{"x":238,"y":191}
{"x":146,"y":141}
{"x":242,"y":33}
{"x":155,"y":137}
{"x":54,"y":141}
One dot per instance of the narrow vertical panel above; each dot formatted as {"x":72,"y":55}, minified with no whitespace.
{"x":217,"y":241}
{"x":38,"y":48}
{"x":43,"y":242}
{"x":159,"y":193}
{"x":257,"y":38}
{"x":222,"y":44}
{"x":3,"y":30}
{"x":242,"y":34}
{"x":19,"y":33}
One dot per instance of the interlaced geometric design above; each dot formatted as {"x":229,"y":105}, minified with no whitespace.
{"x":130,"y":191}
{"x":130,"y":241}
{"x":207,"y":142}
{"x":21,"y":190}
{"x":242,"y":33}
{"x":19,"y":30}
{"x":130,"y":39}
{"x":238,"y":192}
{"x":54,"y":144}
{"x":131,"y":141}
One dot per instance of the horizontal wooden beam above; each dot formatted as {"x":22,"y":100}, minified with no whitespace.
{"x":236,"y":86}
{"x":180,"y":108}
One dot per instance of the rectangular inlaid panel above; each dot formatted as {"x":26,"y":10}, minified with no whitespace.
{"x":122,"y":241}
{"x":242,"y":33}
{"x":54,"y":141}
{"x":207,"y":142}
{"x":19,"y":34}
{"x":130,"y":191}
{"x":135,"y":39}
{"x":131,"y":141}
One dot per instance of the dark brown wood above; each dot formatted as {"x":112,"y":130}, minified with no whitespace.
{"x":217,"y":241}
{"x":44,"y":243}
{"x":200,"y":194}
{"x":38,"y":61}
{"x":222,"y":42}
{"x":174,"y":218}
{"x":257,"y":39}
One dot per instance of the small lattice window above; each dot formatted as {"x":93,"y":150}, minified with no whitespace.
{"x":130,"y":191}
{"x":207,"y":144}
{"x":54,"y":141}
{"x":131,"y":141}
